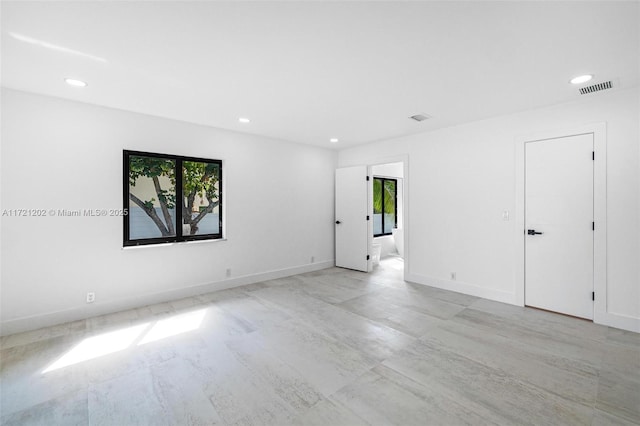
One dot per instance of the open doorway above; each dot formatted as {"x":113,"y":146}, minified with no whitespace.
{"x":388,"y":206}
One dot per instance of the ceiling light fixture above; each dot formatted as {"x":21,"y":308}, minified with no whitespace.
{"x":581,"y":79}
{"x":74,"y":82}
{"x":333,"y":140}
{"x":420,"y":117}
{"x":244,"y":120}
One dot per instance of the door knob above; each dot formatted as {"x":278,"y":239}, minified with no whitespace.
{"x":533,"y":232}
{"x":338,"y":222}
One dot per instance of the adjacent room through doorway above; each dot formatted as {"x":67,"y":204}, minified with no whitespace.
{"x":388,"y":209}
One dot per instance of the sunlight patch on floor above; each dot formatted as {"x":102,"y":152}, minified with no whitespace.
{"x":177,"y":324}
{"x":119,"y":340}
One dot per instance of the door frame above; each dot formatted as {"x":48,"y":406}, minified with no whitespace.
{"x":370,"y":162}
{"x":404,"y":159}
{"x":599,"y":132}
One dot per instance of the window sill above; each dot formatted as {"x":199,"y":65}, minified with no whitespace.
{"x":144,"y":246}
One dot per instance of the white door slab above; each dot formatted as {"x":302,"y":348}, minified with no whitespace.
{"x":558,"y":225}
{"x":351,"y":218}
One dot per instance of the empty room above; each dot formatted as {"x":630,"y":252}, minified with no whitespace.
{"x":320,"y":213}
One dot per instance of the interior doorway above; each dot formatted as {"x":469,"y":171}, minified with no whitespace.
{"x":356,"y":246}
{"x":387,"y":211}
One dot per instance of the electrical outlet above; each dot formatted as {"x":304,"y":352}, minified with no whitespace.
{"x":453,"y":276}
{"x":228,"y":272}
{"x":91,"y":297}
{"x":313,"y":259}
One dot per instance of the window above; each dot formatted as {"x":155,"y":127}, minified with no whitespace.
{"x":385,"y":206}
{"x":161,"y":191}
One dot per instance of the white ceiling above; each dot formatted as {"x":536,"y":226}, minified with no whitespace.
{"x":309,"y":71}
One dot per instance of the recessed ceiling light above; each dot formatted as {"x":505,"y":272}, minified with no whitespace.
{"x":74,"y":82}
{"x":581,"y":79}
{"x":244,"y":120}
{"x":333,"y":140}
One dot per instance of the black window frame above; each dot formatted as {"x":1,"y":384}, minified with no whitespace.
{"x":395,"y":203}
{"x":178,"y":238}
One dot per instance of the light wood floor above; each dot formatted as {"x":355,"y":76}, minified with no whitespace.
{"x":325,"y":348}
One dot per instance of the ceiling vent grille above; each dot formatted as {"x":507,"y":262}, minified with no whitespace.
{"x":596,"y":87}
{"x":420,"y":117}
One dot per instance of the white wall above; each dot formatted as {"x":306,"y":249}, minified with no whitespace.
{"x":59,"y":154}
{"x":461,"y":179}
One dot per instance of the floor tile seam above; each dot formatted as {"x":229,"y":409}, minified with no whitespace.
{"x":283,"y":308}
{"x":620,"y":412}
{"x":407,"y":302}
{"x":430,"y":315}
{"x":338,"y":305}
{"x":256,"y":327}
{"x":509,"y":373}
{"x":332,"y":395}
{"x":526,"y":321}
{"x":324,"y":333}
{"x":447,"y":301}
{"x":57,"y":336}
{"x":271,"y":305}
{"x":620,"y":377}
{"x":163,"y":400}
{"x":515,"y":378}
{"x":463,"y":357}
{"x":84,"y":390}
{"x":312,"y":327}
{"x":339,"y":403}
{"x":561,"y":396}
{"x":417,"y":394}
{"x":378,"y":322}
{"x":353,"y":345}
{"x":291,"y":410}
{"x":295,"y":370}
{"x":523,"y":341}
{"x":263,"y":378}
{"x":130,"y":353}
{"x":307,"y":293}
{"x":531,"y":350}
{"x":292,"y":312}
{"x":630,"y":347}
{"x":367,"y":293}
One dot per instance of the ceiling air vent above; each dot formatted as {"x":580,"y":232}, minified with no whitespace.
{"x":596,"y":87}
{"x":420,"y":117}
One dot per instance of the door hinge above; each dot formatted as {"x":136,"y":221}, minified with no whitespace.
{"x":367,"y":178}
{"x":593,"y":155}
{"x":367,"y":217}
{"x":593,"y":295}
{"x":367,"y":257}
{"x":593,"y":226}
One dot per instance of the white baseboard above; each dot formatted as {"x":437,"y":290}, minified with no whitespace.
{"x":461,"y":287}
{"x":618,"y":321}
{"x":35,"y":322}
{"x":609,"y":319}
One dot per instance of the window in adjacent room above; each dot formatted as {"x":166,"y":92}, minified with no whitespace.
{"x":385,"y":206}
{"x":162,"y":191}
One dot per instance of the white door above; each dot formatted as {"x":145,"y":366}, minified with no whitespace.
{"x":352,"y":239}
{"x":558,"y":225}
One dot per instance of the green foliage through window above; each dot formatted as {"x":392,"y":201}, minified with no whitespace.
{"x":154,"y":189}
{"x":384,"y":206}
